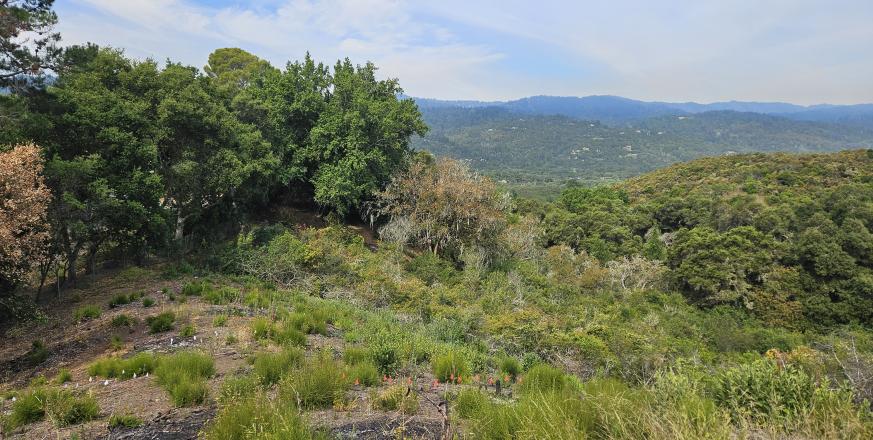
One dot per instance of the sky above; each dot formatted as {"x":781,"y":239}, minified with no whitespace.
{"x":798,"y":51}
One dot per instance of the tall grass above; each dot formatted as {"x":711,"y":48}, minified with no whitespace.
{"x":184,"y":376}
{"x":260,"y":418}
{"x":317,"y":384}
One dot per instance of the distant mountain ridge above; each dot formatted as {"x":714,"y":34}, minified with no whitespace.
{"x":618,"y":110}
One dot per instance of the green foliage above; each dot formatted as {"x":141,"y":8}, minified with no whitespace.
{"x":510,"y":366}
{"x":450,"y":366}
{"x":355,"y":355}
{"x":258,"y":414}
{"x":161,"y":322}
{"x":237,"y":388}
{"x":544,"y":378}
{"x":113,"y":367}
{"x":271,"y":367}
{"x":183,"y":376}
{"x":317,"y":384}
{"x":187,"y":331}
{"x":385,"y":353}
{"x":62,"y":407}
{"x":364,"y":372}
{"x":432,"y":269}
{"x":123,"y":320}
{"x":219,"y":320}
{"x":87,"y":312}
{"x":764,"y":392}
{"x":148,"y":302}
{"x":125,"y":420}
{"x":64,"y":375}
{"x":37,"y":354}
{"x":120,"y":300}
{"x":396,"y":397}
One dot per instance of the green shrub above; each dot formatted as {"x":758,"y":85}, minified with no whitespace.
{"x":119,"y":300}
{"x":187,"y":331}
{"x":271,"y":367}
{"x":28,"y":407}
{"x":223,"y":295}
{"x":316,"y":385}
{"x":762,"y":392}
{"x":161,"y":322}
{"x":113,"y":367}
{"x":219,"y":321}
{"x":353,"y":355}
{"x":262,"y":328}
{"x":236,"y":388}
{"x":123,"y":320}
{"x":470,"y":403}
{"x":116,"y":343}
{"x":384,"y":350}
{"x":183,"y":376}
{"x":288,"y":335}
{"x":239,"y":420}
{"x":196,"y":288}
{"x":64,"y":376}
{"x":148,"y":302}
{"x":450,"y":366}
{"x":510,"y":366}
{"x":37,"y":354}
{"x":544,"y":378}
{"x":86,"y":313}
{"x":364,"y":372}
{"x":309,"y":323}
{"x":397,"y":397}
{"x":126,"y":420}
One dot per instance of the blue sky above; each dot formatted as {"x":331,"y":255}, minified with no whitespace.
{"x":799,"y":51}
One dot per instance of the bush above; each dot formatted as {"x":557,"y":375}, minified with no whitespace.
{"x":224,"y":295}
{"x":219,"y":321}
{"x":123,"y":320}
{"x":196,"y":288}
{"x":383,"y":349}
{"x":397,"y":397}
{"x":470,"y":402}
{"x":316,"y":385}
{"x":763,"y":392}
{"x":86,"y":313}
{"x":148,"y":302}
{"x":355,"y":355}
{"x":364,"y":372}
{"x":309,"y":323}
{"x":64,"y":376}
{"x":450,"y":366}
{"x":126,"y":420}
{"x":237,"y":388}
{"x":544,"y":378}
{"x":241,"y":419}
{"x":510,"y":366}
{"x":183,"y":376}
{"x":187,"y":331}
{"x":161,"y":323}
{"x":262,"y":328}
{"x":114,"y":367}
{"x":271,"y":367}
{"x":37,"y":354}
{"x":289,"y":335}
{"x":61,"y":406}
{"x":119,"y":300}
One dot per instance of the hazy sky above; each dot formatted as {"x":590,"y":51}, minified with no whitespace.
{"x":800,"y":51}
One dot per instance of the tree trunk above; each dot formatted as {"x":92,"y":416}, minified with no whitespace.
{"x":180,"y":228}
{"x":71,"y":267}
{"x":91,"y":262}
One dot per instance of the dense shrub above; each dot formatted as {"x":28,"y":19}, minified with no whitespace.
{"x":544,"y":378}
{"x":119,"y":300}
{"x":240,"y":419}
{"x":126,"y":420}
{"x":316,"y":385}
{"x":510,"y":366}
{"x":148,"y":302}
{"x":450,"y":366}
{"x":271,"y":367}
{"x":763,"y":391}
{"x":86,"y":313}
{"x":161,"y":323}
{"x":396,"y":397}
{"x":183,"y":376}
{"x":364,"y":373}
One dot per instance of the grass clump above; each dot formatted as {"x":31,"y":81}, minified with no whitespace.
{"x":188,"y":330}
{"x":184,"y":376}
{"x":313,"y":322}
{"x":62,"y":407}
{"x":354,"y":355}
{"x":450,"y":366}
{"x":219,"y":320}
{"x":64,"y":375}
{"x":762,"y":392}
{"x":316,"y":385}
{"x":397,"y":397}
{"x":162,"y":322}
{"x":119,"y":300}
{"x":259,"y":417}
{"x":123,"y":320}
{"x":114,"y":367}
{"x":223,"y":295}
{"x":286,"y":334}
{"x":37,"y":354}
{"x":87,"y":312}
{"x":364,"y":373}
{"x":196,"y":288}
{"x":237,"y":388}
{"x":510,"y":366}
{"x":148,"y":302}
{"x":126,"y":420}
{"x":544,"y":378}
{"x":271,"y":367}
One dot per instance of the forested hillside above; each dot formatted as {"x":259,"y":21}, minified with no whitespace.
{"x":522,"y":148}
{"x":250,"y":252}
